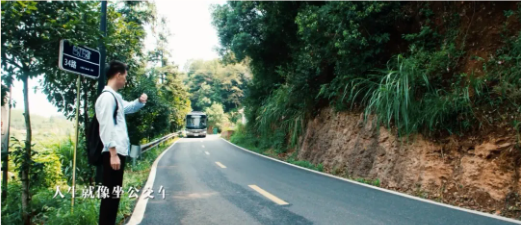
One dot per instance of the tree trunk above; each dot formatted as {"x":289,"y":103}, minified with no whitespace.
{"x":26,"y":198}
{"x":5,"y":166}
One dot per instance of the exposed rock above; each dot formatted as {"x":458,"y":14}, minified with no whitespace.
{"x":475,"y":172}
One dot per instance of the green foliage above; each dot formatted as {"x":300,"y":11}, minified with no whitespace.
{"x":176,"y":94}
{"x":26,"y":162}
{"x":335,"y":52}
{"x":49,"y":210}
{"x":234,"y":116}
{"x":86,"y":211}
{"x":404,"y":97}
{"x":307,"y":164}
{"x":370,"y":182}
{"x":280,"y":113}
{"x":84,"y":171}
{"x":216,"y":116}
{"x":11,"y":205}
{"x":246,"y":139}
{"x":151,"y":121}
{"x":242,"y":137}
{"x":293,"y":53}
{"x":504,"y":70}
{"x":30,"y":30}
{"x":171,"y":90}
{"x":212,"y":82}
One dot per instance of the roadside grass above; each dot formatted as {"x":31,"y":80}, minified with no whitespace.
{"x":136,"y":177}
{"x":375,"y":182}
{"x":248,"y":141}
{"x":242,"y":139}
{"x":49,"y":208}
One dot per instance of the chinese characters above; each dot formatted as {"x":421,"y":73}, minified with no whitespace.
{"x":71,"y":63}
{"x":102,"y":192}
{"x":81,"y":52}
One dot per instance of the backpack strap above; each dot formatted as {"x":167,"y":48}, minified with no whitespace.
{"x":115,"y":114}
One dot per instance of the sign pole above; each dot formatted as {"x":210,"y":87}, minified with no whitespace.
{"x":86,"y":62}
{"x":76,"y":143}
{"x":101,"y":79}
{"x":103,"y":29}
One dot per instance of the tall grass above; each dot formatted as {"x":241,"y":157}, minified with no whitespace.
{"x":280,"y":119}
{"x":403,"y":98}
{"x":244,"y":137}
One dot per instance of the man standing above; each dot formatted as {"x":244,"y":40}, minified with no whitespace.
{"x":110,"y":112}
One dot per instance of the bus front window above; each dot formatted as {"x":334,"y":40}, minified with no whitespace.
{"x":195,"y":122}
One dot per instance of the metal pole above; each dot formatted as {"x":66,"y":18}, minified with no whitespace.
{"x":76,"y":142}
{"x":103,"y":29}
{"x":101,"y":79}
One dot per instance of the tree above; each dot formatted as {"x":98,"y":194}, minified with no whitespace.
{"x":301,"y":54}
{"x":126,"y":33}
{"x":216,"y":116}
{"x":212,"y":82}
{"x":167,"y":77}
{"x":30,"y":31}
{"x":152,"y":120}
{"x":5,"y":89}
{"x":176,"y":94}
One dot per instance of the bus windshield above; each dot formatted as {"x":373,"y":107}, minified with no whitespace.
{"x":195,"y":122}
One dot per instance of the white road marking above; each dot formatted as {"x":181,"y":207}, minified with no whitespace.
{"x":141,"y":205}
{"x":382,"y":189}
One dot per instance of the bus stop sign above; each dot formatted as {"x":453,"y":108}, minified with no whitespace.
{"x":79,"y":60}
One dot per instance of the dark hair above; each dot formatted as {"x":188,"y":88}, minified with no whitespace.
{"x":116,"y":67}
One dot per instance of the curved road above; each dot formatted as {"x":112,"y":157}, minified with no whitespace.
{"x":210,"y":181}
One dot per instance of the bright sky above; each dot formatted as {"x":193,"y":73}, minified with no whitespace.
{"x":193,"y":37}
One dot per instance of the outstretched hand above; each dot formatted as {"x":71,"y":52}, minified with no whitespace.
{"x":143,"y":98}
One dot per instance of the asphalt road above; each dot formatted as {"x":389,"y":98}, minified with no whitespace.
{"x":209,"y":181}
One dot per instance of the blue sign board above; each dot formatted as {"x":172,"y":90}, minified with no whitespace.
{"x":79,"y":60}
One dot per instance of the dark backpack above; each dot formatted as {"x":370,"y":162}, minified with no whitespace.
{"x":94,"y":143}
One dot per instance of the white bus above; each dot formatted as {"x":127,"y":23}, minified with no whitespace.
{"x":196,"y":124}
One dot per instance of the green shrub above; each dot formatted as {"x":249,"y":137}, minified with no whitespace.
{"x":306,"y":164}
{"x":403,"y":97}
{"x":243,"y":137}
{"x":370,"y":182}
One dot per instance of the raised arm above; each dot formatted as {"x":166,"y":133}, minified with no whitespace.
{"x":133,"y":106}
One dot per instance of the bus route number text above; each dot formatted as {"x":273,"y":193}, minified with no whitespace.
{"x":70,"y":63}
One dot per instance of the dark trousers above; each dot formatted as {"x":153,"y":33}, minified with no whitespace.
{"x":111,"y":178}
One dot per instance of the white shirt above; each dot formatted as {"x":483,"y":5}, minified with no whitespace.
{"x":111,"y":134}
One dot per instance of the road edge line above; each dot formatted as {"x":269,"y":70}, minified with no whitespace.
{"x":141,"y":204}
{"x":382,"y":189}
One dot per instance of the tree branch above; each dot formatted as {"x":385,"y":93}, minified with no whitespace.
{"x":13,"y":63}
{"x":10,"y":61}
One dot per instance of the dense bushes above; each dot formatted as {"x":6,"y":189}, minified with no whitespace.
{"x":48,"y":209}
{"x":402,"y":62}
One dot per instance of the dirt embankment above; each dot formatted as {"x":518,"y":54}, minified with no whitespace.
{"x":480,"y":173}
